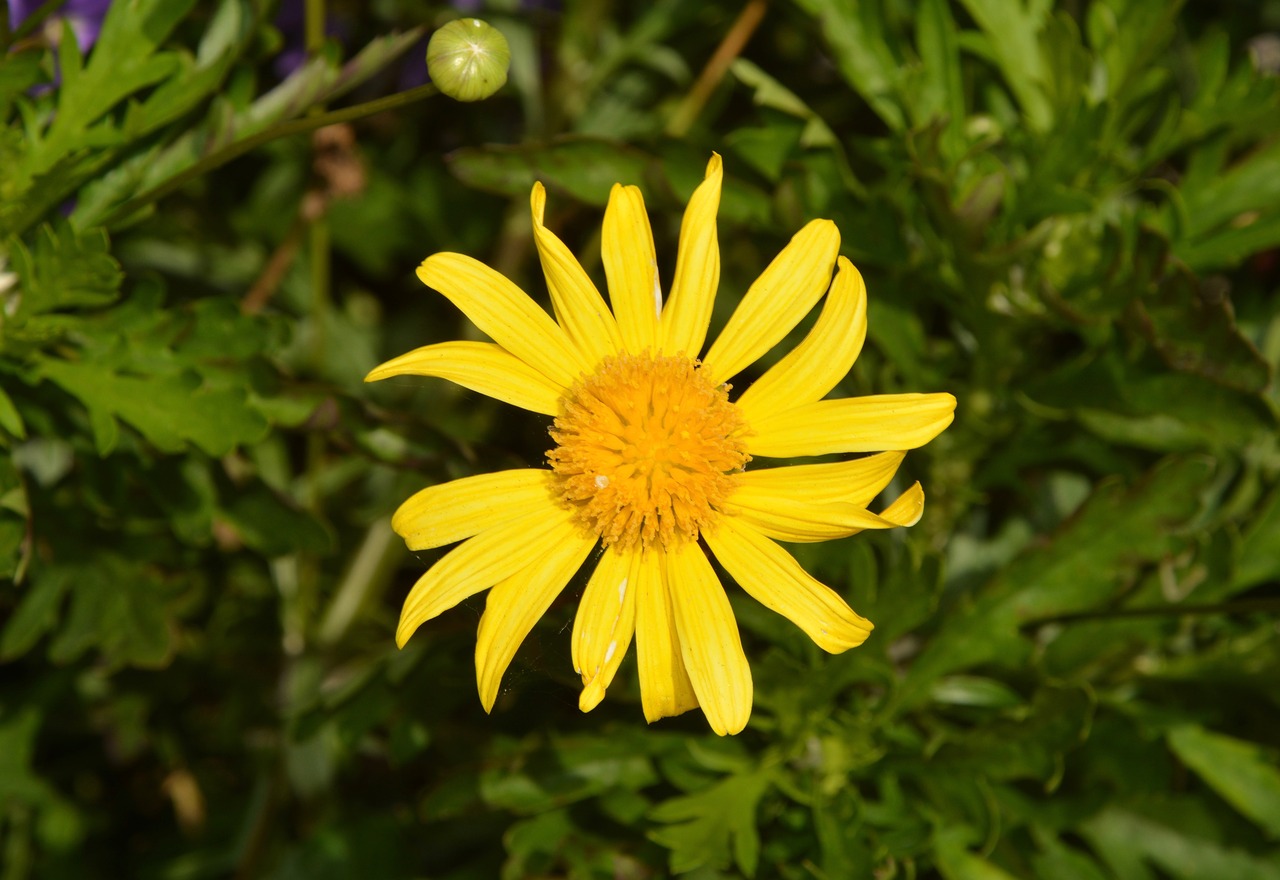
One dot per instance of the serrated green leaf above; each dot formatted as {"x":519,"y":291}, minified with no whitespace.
{"x":1239,"y":771}
{"x":124,"y":60}
{"x":1091,"y":562}
{"x":65,"y":269}
{"x":118,"y":607}
{"x":170,"y":410}
{"x":713,"y":827}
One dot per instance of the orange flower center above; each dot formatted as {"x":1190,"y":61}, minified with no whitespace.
{"x":646,"y":449}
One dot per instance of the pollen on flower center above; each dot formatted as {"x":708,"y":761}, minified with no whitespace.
{"x":646,"y":450}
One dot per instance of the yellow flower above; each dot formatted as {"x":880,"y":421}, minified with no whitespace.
{"x":651,"y":456}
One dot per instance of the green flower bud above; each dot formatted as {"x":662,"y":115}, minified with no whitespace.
{"x":468,"y":59}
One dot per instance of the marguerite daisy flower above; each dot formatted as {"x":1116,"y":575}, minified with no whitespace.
{"x":654,"y":461}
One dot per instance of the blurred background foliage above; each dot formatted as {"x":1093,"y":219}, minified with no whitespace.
{"x":1068,"y":215}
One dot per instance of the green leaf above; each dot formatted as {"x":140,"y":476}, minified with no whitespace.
{"x":1250,"y":185}
{"x":1258,"y":561}
{"x":119,"y":607}
{"x":856,"y":34}
{"x":1191,"y":324}
{"x":1026,"y":743}
{"x":65,"y":269}
{"x":955,"y":862}
{"x":22,"y":789}
{"x":10,"y":418}
{"x":714,"y":826}
{"x":972,"y":690}
{"x":1239,"y":771}
{"x":15,"y":515}
{"x":940,"y":91}
{"x":124,"y":60}
{"x":1091,"y":562}
{"x":1057,"y":861}
{"x":1013,"y":31}
{"x":1151,"y":407}
{"x":1127,"y":842}
{"x":768,"y":92}
{"x":37,"y":614}
{"x":169,"y":410}
{"x":270,"y":525}
{"x":572,"y":770}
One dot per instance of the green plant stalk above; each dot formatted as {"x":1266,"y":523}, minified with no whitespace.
{"x":1242,"y":606}
{"x":284,"y":129}
{"x":374,"y":562}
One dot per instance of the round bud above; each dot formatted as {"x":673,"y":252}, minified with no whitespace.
{"x":468,"y":59}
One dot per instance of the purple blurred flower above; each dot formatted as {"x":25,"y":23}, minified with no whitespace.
{"x":84,"y":16}
{"x":291,"y":21}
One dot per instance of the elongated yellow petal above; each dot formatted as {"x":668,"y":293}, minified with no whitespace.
{"x":481,"y":366}
{"x":665,"y":688}
{"x":504,"y":312}
{"x":578,"y":306}
{"x":774,"y":579}
{"x":631,"y":268}
{"x":449,"y":512}
{"x":818,"y":363}
{"x":687,"y":313}
{"x":709,"y":639}
{"x":854,"y":424}
{"x":514,"y":606}
{"x":848,"y":482}
{"x":604,"y":624}
{"x":788,"y":519}
{"x":782,"y":295}
{"x":479,"y":563}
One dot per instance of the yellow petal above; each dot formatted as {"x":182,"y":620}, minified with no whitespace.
{"x":481,"y":366}
{"x":693,"y":290}
{"x":604,"y":624}
{"x":631,"y":268}
{"x":709,"y":639}
{"x":854,"y":424}
{"x":782,"y":295}
{"x":449,"y":512}
{"x":515,"y":604}
{"x":849,"y":482}
{"x":665,"y":688}
{"x":479,"y":563}
{"x":506,"y":314}
{"x":816,"y":365}
{"x":788,"y":519}
{"x":774,"y":579}
{"x":578,"y":306}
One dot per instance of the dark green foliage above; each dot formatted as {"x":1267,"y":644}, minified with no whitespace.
{"x":1068,"y":215}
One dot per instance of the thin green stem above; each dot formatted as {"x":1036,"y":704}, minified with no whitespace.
{"x":284,"y":129}
{"x":1242,"y":606}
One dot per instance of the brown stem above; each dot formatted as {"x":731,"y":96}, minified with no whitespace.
{"x":729,"y":49}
